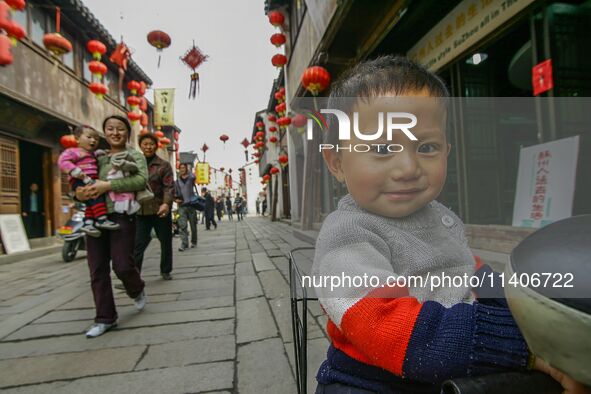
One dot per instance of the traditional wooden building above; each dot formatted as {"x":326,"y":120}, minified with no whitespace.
{"x":484,"y":48}
{"x":43,"y":96}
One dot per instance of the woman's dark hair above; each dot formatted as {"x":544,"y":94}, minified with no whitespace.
{"x":148,"y":136}
{"x":383,"y":76}
{"x":121,"y":118}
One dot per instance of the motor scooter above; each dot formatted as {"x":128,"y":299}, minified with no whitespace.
{"x":73,"y":236}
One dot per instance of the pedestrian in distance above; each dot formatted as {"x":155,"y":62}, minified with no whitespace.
{"x":219,"y":207}
{"x":209,"y":212}
{"x":114,"y":247}
{"x":238,"y":206}
{"x":33,"y":212}
{"x":264,"y":206}
{"x":155,"y":214}
{"x":229,"y":207}
{"x":258,"y":205}
{"x":184,"y":190}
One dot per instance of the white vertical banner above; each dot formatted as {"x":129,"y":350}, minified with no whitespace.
{"x":546,"y":183}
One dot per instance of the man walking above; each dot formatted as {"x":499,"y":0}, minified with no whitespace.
{"x":155,"y":213}
{"x":185,"y":194}
{"x":229,"y":207}
{"x":258,"y":205}
{"x":238,"y":205}
{"x":209,"y":211}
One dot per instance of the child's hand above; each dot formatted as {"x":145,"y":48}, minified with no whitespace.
{"x":569,"y":385}
{"x":78,"y":173}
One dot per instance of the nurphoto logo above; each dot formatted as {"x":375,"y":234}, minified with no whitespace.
{"x":402,"y":121}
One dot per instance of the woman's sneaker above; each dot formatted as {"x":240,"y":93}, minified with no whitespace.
{"x":99,"y":329}
{"x":140,"y":301}
{"x":90,"y":230}
{"x":107,"y":224}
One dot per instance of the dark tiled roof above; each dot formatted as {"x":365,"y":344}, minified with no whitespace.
{"x":78,"y":13}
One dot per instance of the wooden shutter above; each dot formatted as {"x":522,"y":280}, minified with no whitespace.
{"x":10,"y":200}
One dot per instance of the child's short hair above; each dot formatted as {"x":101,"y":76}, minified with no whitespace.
{"x":80,"y":129}
{"x":383,"y":76}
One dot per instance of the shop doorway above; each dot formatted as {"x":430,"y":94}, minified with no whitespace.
{"x":35,"y":189}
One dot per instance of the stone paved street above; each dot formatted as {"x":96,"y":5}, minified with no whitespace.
{"x":222,"y":325}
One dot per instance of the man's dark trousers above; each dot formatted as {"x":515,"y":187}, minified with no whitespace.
{"x":143,"y":236}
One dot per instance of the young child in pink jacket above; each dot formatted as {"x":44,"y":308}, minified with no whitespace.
{"x":81,"y":165}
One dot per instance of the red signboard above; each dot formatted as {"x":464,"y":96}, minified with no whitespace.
{"x":542,"y":77}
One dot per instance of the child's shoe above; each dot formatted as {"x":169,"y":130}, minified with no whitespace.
{"x":90,"y":230}
{"x":106,"y":224}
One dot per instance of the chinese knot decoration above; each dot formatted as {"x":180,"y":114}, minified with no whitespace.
{"x":55,"y":42}
{"x":97,"y":68}
{"x":193,"y":59}
{"x":245,"y":143}
{"x":315,"y":79}
{"x":159,"y":40}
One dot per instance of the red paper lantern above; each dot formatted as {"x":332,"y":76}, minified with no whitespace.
{"x":276,"y":18}
{"x":68,"y":141}
{"x":142,"y":90}
{"x":176,"y":135}
{"x":278,"y":39}
{"x":279,"y":97}
{"x":164,"y":141}
{"x":279,"y":60}
{"x":272,"y":129}
{"x":134,"y":87}
{"x":97,"y":48}
{"x":143,"y":104}
{"x":134,"y":101}
{"x":257,"y":161}
{"x":284,"y":121}
{"x":97,"y":68}
{"x":144,"y":120}
{"x":144,"y":131}
{"x":158,"y":134}
{"x":283,"y":159}
{"x":57,"y":44}
{"x":99,"y":89}
{"x":260,"y":125}
{"x":17,"y":5}
{"x":266,"y":177}
{"x":315,"y":79}
{"x":6,"y":57}
{"x":280,"y":108}
{"x":299,"y":121}
{"x":134,"y":116}
{"x":271,"y":118}
{"x":256,"y":154}
{"x":224,"y":138}
{"x":274,"y":170}
{"x":273,"y":139}
{"x":259,"y":145}
{"x":159,"y":40}
{"x":178,"y":165}
{"x":14,"y":31}
{"x":259,"y":135}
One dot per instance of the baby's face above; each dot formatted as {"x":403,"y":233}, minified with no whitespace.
{"x":89,"y":140}
{"x":395,"y":184}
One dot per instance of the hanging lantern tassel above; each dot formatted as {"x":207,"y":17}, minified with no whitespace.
{"x":194,"y":88}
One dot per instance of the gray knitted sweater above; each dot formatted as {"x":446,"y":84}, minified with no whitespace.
{"x":355,"y":242}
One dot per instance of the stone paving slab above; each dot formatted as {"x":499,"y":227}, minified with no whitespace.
{"x":144,"y":319}
{"x":244,"y":269}
{"x":84,"y":301}
{"x":263,"y":368}
{"x":262,"y":262}
{"x":138,"y":336}
{"x":273,"y":284}
{"x":248,"y":287}
{"x":255,"y":321}
{"x":196,"y":351}
{"x":68,"y":365}
{"x":49,"y":330}
{"x":199,"y":378}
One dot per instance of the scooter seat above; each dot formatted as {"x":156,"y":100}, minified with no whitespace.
{"x":554,"y":312}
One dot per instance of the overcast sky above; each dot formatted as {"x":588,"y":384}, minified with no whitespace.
{"x":236,"y":80}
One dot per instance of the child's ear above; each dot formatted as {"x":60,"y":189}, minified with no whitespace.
{"x":448,"y":150}
{"x":334,"y":164}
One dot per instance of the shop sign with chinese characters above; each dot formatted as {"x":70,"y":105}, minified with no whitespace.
{"x":467,"y":24}
{"x":164,"y":107}
{"x":202,"y":173}
{"x":546,"y":183}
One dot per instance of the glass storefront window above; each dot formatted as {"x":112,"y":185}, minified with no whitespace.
{"x":68,"y":58}
{"x":21,"y":18}
{"x":38,"y":25}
